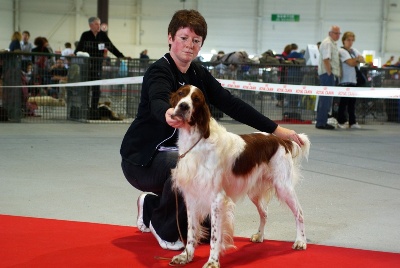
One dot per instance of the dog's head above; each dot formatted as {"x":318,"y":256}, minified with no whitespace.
{"x":189,"y":104}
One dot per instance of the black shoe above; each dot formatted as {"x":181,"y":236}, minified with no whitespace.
{"x":326,"y":126}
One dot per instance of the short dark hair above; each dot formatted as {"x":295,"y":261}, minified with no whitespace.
{"x":39,"y":41}
{"x":188,"y":18}
{"x":26,"y":32}
{"x":67,"y":45}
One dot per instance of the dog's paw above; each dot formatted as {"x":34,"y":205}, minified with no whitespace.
{"x":211,"y":264}
{"x":182,"y":258}
{"x":257,"y":238}
{"x":299,"y":245}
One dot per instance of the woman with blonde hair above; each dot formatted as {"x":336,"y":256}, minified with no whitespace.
{"x":350,"y":58}
{"x":15,"y":44}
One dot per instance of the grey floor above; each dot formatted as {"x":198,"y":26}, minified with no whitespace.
{"x":350,"y":193}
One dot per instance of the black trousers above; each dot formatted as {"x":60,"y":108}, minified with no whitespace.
{"x":94,"y":102}
{"x":160,"y":207}
{"x":347,"y":106}
{"x":95,"y":73}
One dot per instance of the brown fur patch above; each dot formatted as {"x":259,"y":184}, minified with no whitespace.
{"x":179,"y":94}
{"x":259,"y":149}
{"x":201,"y":115}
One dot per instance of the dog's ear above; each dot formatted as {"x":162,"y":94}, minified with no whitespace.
{"x":174,"y":99}
{"x":201,"y":117}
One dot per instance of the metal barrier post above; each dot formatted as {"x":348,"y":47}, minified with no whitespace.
{"x":12,"y":97}
{"x":77,"y":97}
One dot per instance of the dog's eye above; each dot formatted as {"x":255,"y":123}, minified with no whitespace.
{"x":180,"y":93}
{"x":196,"y":99}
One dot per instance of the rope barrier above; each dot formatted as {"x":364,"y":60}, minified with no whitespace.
{"x":334,"y":91}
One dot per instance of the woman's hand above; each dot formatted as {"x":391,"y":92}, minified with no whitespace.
{"x":288,"y":134}
{"x":360,"y":59}
{"x":175,"y":121}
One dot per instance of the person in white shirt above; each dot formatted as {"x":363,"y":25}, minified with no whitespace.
{"x":67,"y":51}
{"x":26,"y":47}
{"x":350,"y":59}
{"x":329,"y":74}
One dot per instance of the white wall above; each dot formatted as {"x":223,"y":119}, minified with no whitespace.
{"x":232,"y":24}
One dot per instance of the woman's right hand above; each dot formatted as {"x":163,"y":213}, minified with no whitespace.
{"x":174,"y":121}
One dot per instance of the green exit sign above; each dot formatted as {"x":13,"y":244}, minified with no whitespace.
{"x":285,"y":17}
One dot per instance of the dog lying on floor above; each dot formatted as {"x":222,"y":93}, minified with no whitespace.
{"x":216,"y":168}
{"x":106,"y":113}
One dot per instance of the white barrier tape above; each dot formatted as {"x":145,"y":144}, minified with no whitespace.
{"x":360,"y":92}
{"x":114,"y":81}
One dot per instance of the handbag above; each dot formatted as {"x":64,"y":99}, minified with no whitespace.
{"x":361,"y":79}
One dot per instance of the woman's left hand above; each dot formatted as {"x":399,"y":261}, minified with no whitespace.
{"x":288,"y":134}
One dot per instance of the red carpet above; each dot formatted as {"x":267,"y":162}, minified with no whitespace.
{"x":33,"y":242}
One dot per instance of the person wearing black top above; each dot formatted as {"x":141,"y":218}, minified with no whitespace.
{"x":41,"y":62}
{"x":143,"y":55}
{"x":148,"y":148}
{"x":144,"y":59}
{"x":15,"y":44}
{"x":95,"y":42}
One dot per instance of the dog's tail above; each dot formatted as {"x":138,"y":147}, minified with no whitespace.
{"x":299,"y":153}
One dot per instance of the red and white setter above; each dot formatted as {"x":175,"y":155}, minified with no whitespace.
{"x":216,"y":168}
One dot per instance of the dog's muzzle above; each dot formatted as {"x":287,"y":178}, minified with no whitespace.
{"x":181,"y":110}
{"x":183,"y":106}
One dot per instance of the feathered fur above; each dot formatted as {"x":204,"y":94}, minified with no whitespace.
{"x":224,"y":167}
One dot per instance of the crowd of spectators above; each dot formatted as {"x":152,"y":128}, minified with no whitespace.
{"x":39,"y":65}
{"x":39,"y":68}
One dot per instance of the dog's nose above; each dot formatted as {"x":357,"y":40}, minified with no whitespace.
{"x":183,"y":106}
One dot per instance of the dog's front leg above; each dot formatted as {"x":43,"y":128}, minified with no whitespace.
{"x":216,"y":231}
{"x":187,"y":255}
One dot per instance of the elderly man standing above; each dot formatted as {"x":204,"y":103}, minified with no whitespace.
{"x":329,"y":73}
{"x":96,"y":42}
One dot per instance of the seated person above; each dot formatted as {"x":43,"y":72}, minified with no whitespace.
{"x":294,"y":54}
{"x":59,"y":74}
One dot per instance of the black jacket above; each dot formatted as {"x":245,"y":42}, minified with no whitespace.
{"x":149,"y":130}
{"x":90,"y":43}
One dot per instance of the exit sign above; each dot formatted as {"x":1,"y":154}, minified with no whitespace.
{"x":285,"y":17}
